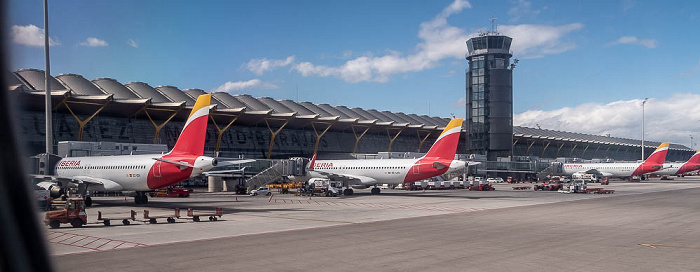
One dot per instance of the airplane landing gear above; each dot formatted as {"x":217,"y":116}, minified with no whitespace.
{"x":347,"y":192}
{"x":141,"y":198}
{"x":88,"y":201}
{"x":376,"y":191}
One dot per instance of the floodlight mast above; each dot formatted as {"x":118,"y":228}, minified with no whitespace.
{"x":47,"y":87}
{"x":643,"y":102}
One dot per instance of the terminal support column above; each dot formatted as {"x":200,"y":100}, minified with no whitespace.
{"x":584,"y":150}
{"x":273,"y":133}
{"x":357,"y":138}
{"x":527,"y":153}
{"x":220,"y":131}
{"x":422,"y":140}
{"x":159,"y":127}
{"x":559,"y":149}
{"x":545,"y":148}
{"x":319,"y":136}
{"x":82,"y":123}
{"x":596,"y":151}
{"x":572,"y":150}
{"x":391,"y":139}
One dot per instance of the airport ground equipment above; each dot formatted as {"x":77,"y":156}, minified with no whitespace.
{"x":480,"y":185}
{"x":153,"y":219}
{"x":195,"y":216}
{"x":125,"y":219}
{"x":521,"y":187}
{"x":171,"y":192}
{"x":322,"y":187}
{"x":547,"y":186}
{"x":73,"y":212}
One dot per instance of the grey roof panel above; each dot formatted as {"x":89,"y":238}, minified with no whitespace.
{"x":226,"y":101}
{"x":363,"y":114}
{"x":398,"y":118}
{"x":194,"y":93}
{"x":79,"y":85}
{"x":276,"y":107}
{"x":175,"y":95}
{"x":315,"y":109}
{"x":335,"y":111}
{"x":112,"y":86}
{"x":252,"y":103}
{"x":301,"y":109}
{"x":144,"y":90}
{"x":35,"y":78}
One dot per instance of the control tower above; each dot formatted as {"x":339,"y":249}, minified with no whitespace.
{"x":489,"y":95}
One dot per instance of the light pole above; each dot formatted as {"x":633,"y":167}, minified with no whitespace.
{"x":691,"y":142}
{"x":643,"y":102}
{"x":47,"y":101}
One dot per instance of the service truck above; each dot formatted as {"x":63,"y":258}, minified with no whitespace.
{"x":322,"y":186}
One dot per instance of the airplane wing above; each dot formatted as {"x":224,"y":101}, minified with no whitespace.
{"x":233,"y":162}
{"x":597,"y":173}
{"x":93,"y":183}
{"x":348,"y":178}
{"x":223,"y":173}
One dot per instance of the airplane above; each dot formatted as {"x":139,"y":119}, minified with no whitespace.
{"x":370,"y":172}
{"x":691,"y":165}
{"x":141,"y":173}
{"x":653,"y":163}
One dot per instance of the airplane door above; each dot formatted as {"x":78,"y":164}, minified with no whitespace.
{"x":415,"y":169}
{"x":156,"y":169}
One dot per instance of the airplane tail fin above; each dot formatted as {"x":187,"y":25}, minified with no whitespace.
{"x":446,"y":144}
{"x":695,"y":159}
{"x":659,"y":155}
{"x":313,"y":162}
{"x":191,"y":140}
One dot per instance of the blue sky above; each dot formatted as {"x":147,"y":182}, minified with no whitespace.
{"x":405,"y":56}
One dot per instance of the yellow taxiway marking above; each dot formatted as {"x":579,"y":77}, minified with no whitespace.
{"x":662,"y":245}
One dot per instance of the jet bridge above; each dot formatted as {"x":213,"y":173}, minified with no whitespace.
{"x":278,"y":169}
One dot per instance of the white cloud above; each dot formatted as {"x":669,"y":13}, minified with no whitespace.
{"x":669,"y":119}
{"x":29,"y":35}
{"x":259,"y":66}
{"x":460,"y":103}
{"x":93,"y":42}
{"x":649,"y":43}
{"x":132,"y":43}
{"x":522,"y":8}
{"x":439,"y":41}
{"x":245,"y":85}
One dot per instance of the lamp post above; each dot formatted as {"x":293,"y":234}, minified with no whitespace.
{"x":47,"y":87}
{"x":643,"y":102}
{"x":691,"y":142}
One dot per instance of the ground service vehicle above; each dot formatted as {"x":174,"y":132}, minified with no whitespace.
{"x":479,"y":184}
{"x":171,"y":192}
{"x":548,"y":186}
{"x":261,"y":191}
{"x":73,"y":212}
{"x":322,"y":186}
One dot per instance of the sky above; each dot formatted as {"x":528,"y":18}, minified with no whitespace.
{"x":585,"y":66}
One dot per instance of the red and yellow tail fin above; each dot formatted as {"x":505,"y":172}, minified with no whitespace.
{"x":695,"y":159}
{"x":446,"y":144}
{"x":659,"y":155}
{"x":191,"y":140}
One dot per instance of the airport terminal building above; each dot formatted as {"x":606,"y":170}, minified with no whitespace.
{"x":241,"y":125}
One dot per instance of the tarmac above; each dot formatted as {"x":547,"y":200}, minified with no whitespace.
{"x":652,"y":225}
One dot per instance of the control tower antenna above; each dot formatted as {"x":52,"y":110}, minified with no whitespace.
{"x":494,"y":26}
